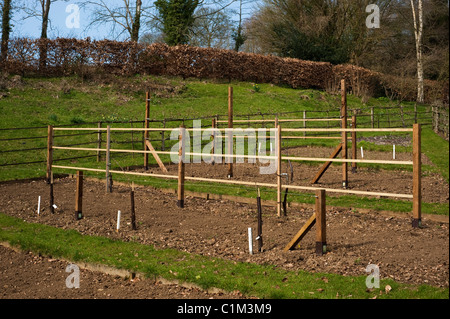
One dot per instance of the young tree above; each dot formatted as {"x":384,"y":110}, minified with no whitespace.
{"x":6,"y":29}
{"x":418,"y":35}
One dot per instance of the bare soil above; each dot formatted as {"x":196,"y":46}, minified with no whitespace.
{"x":219,"y":228}
{"x":24,"y":275}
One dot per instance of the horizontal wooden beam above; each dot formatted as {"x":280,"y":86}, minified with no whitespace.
{"x":347,"y":130}
{"x":342,"y":160}
{"x":211,"y":180}
{"x":231,"y":129}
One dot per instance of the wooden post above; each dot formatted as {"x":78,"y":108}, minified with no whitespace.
{"x":321,"y":223}
{"x":304,"y":122}
{"x":49,"y":153}
{"x":354,"y":144}
{"x":133,"y":214}
{"x":163,"y":139}
{"x":99,"y":141}
{"x":415,"y":112}
{"x":259,"y":235}
{"x":146,"y":125}
{"x":344,"y":134}
{"x":417,"y":177}
{"x":372,"y":117}
{"x":230,"y":134}
{"x":213,"y":141}
{"x":181,"y":151}
{"x":79,"y":196}
{"x":278,"y":149}
{"x":108,"y":159}
{"x":52,"y":198}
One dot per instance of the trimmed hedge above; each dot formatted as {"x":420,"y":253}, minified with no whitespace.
{"x":64,"y":56}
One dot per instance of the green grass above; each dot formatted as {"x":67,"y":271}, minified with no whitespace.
{"x":264,"y":281}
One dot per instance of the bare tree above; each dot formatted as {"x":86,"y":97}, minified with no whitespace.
{"x":211,"y":30}
{"x":125,"y":18}
{"x":418,"y":34}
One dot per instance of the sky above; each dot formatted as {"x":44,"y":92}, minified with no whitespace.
{"x":63,"y":21}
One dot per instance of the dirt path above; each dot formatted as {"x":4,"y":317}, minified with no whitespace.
{"x":219,"y":228}
{"x":30,"y":276}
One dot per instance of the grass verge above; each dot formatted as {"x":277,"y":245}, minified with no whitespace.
{"x":264,"y":281}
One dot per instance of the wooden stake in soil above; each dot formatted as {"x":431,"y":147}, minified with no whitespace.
{"x":321,"y":223}
{"x":79,"y":196}
{"x":344,"y":134}
{"x":259,"y":236}
{"x":52,"y":198}
{"x":146,"y":125}
{"x":181,"y":169}
{"x":133,"y":214}
{"x":354,"y":151}
{"x":49,"y":153}
{"x":417,"y":177}
{"x":230,"y":133}
{"x":278,"y":149}
{"x":108,"y":160}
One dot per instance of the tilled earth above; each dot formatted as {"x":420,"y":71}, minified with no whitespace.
{"x":219,"y":228}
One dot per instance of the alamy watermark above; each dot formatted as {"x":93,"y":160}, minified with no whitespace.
{"x":226,"y":146}
{"x":373,"y":19}
{"x":373,"y":280}
{"x":73,"y":19}
{"x":73,"y":280}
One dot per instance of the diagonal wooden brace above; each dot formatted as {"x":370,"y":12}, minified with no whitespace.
{"x":301,"y":233}
{"x":155,"y":155}
{"x":326,"y":165}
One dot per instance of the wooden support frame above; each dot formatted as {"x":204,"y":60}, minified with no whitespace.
{"x":417,"y":177}
{"x":318,"y":219}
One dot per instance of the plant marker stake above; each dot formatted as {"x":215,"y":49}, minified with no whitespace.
{"x":39,"y":205}
{"x":362,"y":153}
{"x":118,"y":221}
{"x":250,"y":242}
{"x":393,"y":155}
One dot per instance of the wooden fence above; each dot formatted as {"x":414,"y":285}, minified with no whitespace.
{"x":415,"y":162}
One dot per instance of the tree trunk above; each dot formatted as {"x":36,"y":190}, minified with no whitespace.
{"x":137,"y":22}
{"x":43,"y":47}
{"x":6,"y":29}
{"x":418,"y":33}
